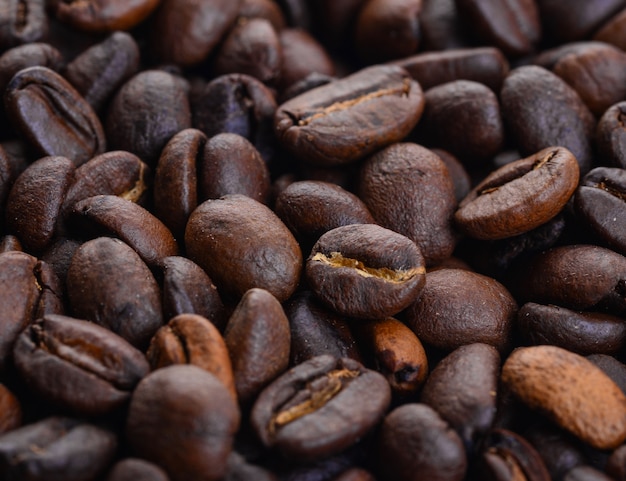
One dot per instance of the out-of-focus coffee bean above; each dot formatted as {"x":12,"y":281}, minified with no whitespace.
{"x":365,"y":271}
{"x":387,"y":29}
{"x":458,"y":307}
{"x":442,"y":26}
{"x":415,"y":442}
{"x":258,"y":339}
{"x":462,"y":388}
{"x":586,"y":473}
{"x":398,"y":354}
{"x":57,"y":351}
{"x":134,"y":469}
{"x":614,"y":31}
{"x":267,"y":9}
{"x":146,"y":112}
{"x":296,"y":12}
{"x":52,"y":116}
{"x":336,"y":20}
{"x":28,"y":55}
{"x":302,"y":56}
{"x":571,"y":391}
{"x":185,"y":407}
{"x":185,"y":32}
{"x":105,"y":16}
{"x":611,"y":135}
{"x":380,"y":104}
{"x":56,"y":448}
{"x":22,"y":21}
{"x":565,"y":121}
{"x":580,"y":332}
{"x":616,"y":464}
{"x":109,"y":284}
{"x":408,"y":189}
{"x":10,"y":410}
{"x":519,"y":196}
{"x":612,"y":368}
{"x":242,"y":244}
{"x":192,"y":339}
{"x":320,"y":407}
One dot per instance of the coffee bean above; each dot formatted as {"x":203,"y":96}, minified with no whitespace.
{"x":586,"y":473}
{"x":105,"y":17}
{"x":616,"y":464}
{"x":611,"y":135}
{"x":23,"y":21}
{"x":133,"y":469}
{"x":302,"y":56}
{"x":613,"y":30}
{"x":28,"y":55}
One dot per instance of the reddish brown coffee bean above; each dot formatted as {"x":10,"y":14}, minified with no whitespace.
{"x":133,"y":469}
{"x":611,"y":135}
{"x":183,"y":419}
{"x":302,"y":56}
{"x":320,"y":408}
{"x":258,"y":339}
{"x":519,"y":196}
{"x":408,"y":189}
{"x":242,"y":244}
{"x":458,"y":307}
{"x":614,"y":31}
{"x":365,"y":271}
{"x":10,"y":410}
{"x":570,"y":390}
{"x":105,"y":16}
{"x":380,"y":104}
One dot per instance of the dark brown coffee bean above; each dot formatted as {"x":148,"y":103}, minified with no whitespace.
{"x":380,"y":104}
{"x":105,"y":16}
{"x":192,"y":339}
{"x":242,"y":244}
{"x":59,"y":255}
{"x":56,"y":448}
{"x":564,"y":121}
{"x":571,"y":391}
{"x":186,"y":407}
{"x":27,"y":55}
{"x":614,"y":31}
{"x":415,"y":442}
{"x":102,"y":368}
{"x":462,"y":388}
{"x":267,"y":9}
{"x":611,"y":135}
{"x":520,"y":196}
{"x":386,"y":30}
{"x":188,"y":290}
{"x":10,"y":410}
{"x":408,"y":189}
{"x":22,"y":21}
{"x":146,"y":112}
{"x":258,"y":340}
{"x":102,"y":69}
{"x":512,"y":25}
{"x":365,"y":271}
{"x":486,"y":65}
{"x":135,"y":225}
{"x":338,"y":19}
{"x":320,"y":407}
{"x":51,"y":115}
{"x":133,"y":469}
{"x":302,"y":56}
{"x":35,"y":201}
{"x":458,"y":307}
{"x":442,"y":26}
{"x":109,"y":284}
{"x":616,"y":464}
{"x":185,"y":32}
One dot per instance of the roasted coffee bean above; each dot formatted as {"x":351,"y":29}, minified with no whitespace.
{"x":414,"y":442}
{"x":56,"y":448}
{"x":386,"y":30}
{"x":458,"y":307}
{"x":408,"y":189}
{"x":185,"y":32}
{"x":365,"y":271}
{"x":571,"y":391}
{"x":10,"y":410}
{"x":102,"y":69}
{"x":57,"y":351}
{"x":320,"y":408}
{"x":22,"y":21}
{"x":127,"y":220}
{"x":580,"y":332}
{"x":242,"y":244}
{"x":133,"y":469}
{"x":35,"y":201}
{"x":52,"y":116}
{"x":586,"y":473}
{"x":105,"y":16}
{"x":302,"y":56}
{"x":616,"y":464}
{"x":612,"y":368}
{"x":58,"y":256}
{"x":146,"y":112}
{"x":564,"y":121}
{"x":462,"y":388}
{"x":613,"y":31}
{"x":267,"y":9}
{"x":258,"y":340}
{"x":381,"y":104}
{"x":611,"y":135}
{"x":188,"y":290}
{"x":188,"y":408}
{"x":519,"y":196}
{"x":28,"y":55}
{"x":192,"y":339}
{"x":109,"y":284}
{"x":442,"y":27}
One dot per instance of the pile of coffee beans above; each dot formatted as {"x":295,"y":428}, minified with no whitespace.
{"x":313,"y":240}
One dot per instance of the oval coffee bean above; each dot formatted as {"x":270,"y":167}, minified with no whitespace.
{"x":571,"y":391}
{"x":105,"y":16}
{"x":519,"y":196}
{"x":188,"y":408}
{"x":380,"y":104}
{"x":320,"y":408}
{"x":58,"y":351}
{"x":611,"y":135}
{"x":365,"y":271}
{"x":53,"y":116}
{"x":242,"y":244}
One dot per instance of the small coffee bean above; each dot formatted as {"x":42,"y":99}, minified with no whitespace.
{"x":22,"y":21}
{"x":611,"y":135}
{"x":133,"y":469}
{"x":106,"y":16}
